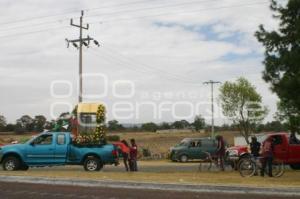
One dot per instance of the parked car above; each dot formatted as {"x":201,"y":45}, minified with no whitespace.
{"x":193,"y":148}
{"x":56,"y":148}
{"x":285,"y":152}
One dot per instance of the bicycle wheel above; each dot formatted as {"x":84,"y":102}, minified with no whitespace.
{"x":278,"y":169}
{"x":247,"y":167}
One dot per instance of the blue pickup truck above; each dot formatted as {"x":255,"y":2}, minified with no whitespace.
{"x":56,"y":148}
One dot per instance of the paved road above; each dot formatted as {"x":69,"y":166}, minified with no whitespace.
{"x":40,"y":191}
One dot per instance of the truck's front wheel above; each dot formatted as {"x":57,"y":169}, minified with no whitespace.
{"x":92,"y":164}
{"x":11,"y":163}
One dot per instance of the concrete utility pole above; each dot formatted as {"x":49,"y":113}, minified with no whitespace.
{"x":81,"y":41}
{"x":211,"y":82}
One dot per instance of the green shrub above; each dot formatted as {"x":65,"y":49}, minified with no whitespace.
{"x":146,"y":152}
{"x":113,"y":138}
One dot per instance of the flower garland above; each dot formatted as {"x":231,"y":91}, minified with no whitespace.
{"x":100,"y":132}
{"x":99,"y":135}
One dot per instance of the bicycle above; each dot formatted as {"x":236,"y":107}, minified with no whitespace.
{"x":248,"y":167}
{"x":210,"y":160}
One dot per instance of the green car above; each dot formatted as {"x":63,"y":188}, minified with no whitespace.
{"x":193,"y":149}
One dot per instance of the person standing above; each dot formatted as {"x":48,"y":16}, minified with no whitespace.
{"x":267,"y":156}
{"x":125,"y":154}
{"x":255,"y":147}
{"x":220,"y":151}
{"x":133,"y":156}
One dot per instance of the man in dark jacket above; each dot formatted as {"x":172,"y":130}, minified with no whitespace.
{"x":255,"y":147}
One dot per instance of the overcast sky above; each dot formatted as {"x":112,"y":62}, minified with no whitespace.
{"x":154,"y":55}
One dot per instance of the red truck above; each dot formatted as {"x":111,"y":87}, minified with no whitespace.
{"x":288,"y":153}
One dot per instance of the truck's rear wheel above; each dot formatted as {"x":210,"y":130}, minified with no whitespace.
{"x":11,"y":163}
{"x":92,"y":163}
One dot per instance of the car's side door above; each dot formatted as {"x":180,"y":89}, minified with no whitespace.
{"x":195,"y":149}
{"x":61,"y":148}
{"x":41,"y":150}
{"x":280,"y":148}
{"x":207,"y":146}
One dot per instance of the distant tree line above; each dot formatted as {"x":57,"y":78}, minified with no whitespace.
{"x":197,"y":125}
{"x":39,"y":122}
{"x":24,"y":124}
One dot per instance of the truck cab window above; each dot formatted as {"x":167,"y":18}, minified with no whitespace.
{"x":193,"y":144}
{"x":277,"y":139}
{"x":199,"y":144}
{"x":43,"y":140}
{"x":61,"y":139}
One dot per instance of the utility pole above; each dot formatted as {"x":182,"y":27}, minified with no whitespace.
{"x":78,"y":43}
{"x":211,"y":82}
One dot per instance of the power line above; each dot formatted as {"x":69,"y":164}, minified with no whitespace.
{"x":105,"y":14}
{"x":66,"y":12}
{"x":141,"y":17}
{"x":33,"y":32}
{"x":151,"y":8}
{"x":34,"y":25}
{"x":111,"y":13}
{"x":147,"y":66}
{"x":142,"y":67}
{"x":180,"y":13}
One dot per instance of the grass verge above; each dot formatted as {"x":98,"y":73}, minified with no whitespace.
{"x":289,"y":179}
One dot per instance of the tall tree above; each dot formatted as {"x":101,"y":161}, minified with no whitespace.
{"x":182,"y":124}
{"x":282,"y":59}
{"x":152,"y":127}
{"x":114,"y":125}
{"x":199,"y":123}
{"x":290,"y":115}
{"x":39,"y":123}
{"x":243,"y":105}
{"x":25,"y":123}
{"x":164,"y":126}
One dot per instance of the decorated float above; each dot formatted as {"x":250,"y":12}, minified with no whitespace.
{"x":86,"y":123}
